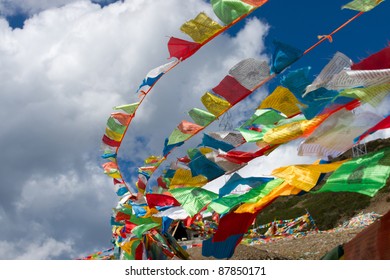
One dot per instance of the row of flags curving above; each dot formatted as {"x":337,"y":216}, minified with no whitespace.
{"x":323,"y":112}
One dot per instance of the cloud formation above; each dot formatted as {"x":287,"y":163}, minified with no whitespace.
{"x":60,"y":77}
{"x":30,"y":7}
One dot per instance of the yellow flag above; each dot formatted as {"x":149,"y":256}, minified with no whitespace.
{"x":255,"y":206}
{"x":304,"y":176}
{"x":128,"y":246}
{"x":205,"y":150}
{"x":183,"y":177}
{"x":201,"y":28}
{"x":290,"y":191}
{"x":284,"y":133}
{"x":153,"y":160}
{"x":372,"y":95}
{"x":215,"y":105}
{"x":282,"y":100}
{"x":113,"y":135}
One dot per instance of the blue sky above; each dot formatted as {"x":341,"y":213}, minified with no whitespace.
{"x":64,"y":69}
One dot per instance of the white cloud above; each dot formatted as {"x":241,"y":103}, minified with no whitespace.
{"x":60,"y":77}
{"x":46,"y":249}
{"x":29,"y":7}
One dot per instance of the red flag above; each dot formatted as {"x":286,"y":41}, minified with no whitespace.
{"x":182,"y":49}
{"x":379,"y":60}
{"x":232,"y":224}
{"x":120,"y":216}
{"x":161,"y":183}
{"x":383,"y":124}
{"x":240,"y":157}
{"x":231,"y":90}
{"x":110,"y":142}
{"x":155,"y":199}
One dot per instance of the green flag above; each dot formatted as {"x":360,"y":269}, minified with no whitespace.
{"x":139,"y":230}
{"x":362,"y":5}
{"x":365,"y":175}
{"x":226,"y":203}
{"x":193,"y":199}
{"x":264,"y":117}
{"x":177,"y":136}
{"x":114,"y":126}
{"x":201,"y":117}
{"x":252,"y":135}
{"x":229,"y":10}
{"x":128,"y":108}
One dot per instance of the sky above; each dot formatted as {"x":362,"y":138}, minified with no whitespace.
{"x":65,"y":64}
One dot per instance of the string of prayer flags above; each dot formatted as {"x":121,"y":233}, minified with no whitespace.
{"x":232,"y":92}
{"x":117,"y":124}
{"x":139,"y":220}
